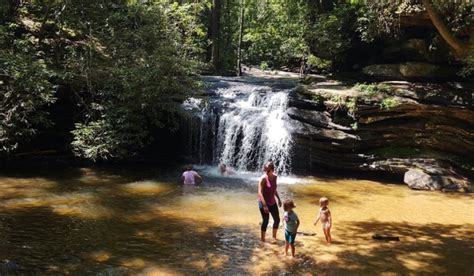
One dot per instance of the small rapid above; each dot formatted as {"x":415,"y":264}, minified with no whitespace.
{"x":240,"y":124}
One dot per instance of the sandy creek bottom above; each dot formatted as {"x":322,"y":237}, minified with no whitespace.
{"x":129,"y":221}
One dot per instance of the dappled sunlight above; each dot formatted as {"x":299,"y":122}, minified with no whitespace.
{"x":147,"y":187}
{"x":86,"y":211}
{"x":47,"y":200}
{"x":152,"y":227}
{"x":101,"y":256}
{"x":11,"y":187}
{"x":158,"y":271}
{"x":135,"y":263}
{"x":230,"y":208}
{"x":36,"y":193}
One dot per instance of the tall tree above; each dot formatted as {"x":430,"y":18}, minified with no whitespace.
{"x":215,"y":30}
{"x":459,"y":48}
{"x":241,"y":33}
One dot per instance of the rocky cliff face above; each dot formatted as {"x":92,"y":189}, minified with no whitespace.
{"x":424,"y":132}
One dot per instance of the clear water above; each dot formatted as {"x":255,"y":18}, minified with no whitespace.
{"x":125,"y":221}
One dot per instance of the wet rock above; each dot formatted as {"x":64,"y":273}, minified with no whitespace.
{"x":314,"y":118}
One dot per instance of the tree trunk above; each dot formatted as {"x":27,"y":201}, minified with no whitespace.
{"x":208,"y":12}
{"x":459,"y":49}
{"x":241,"y":33}
{"x":215,"y":30}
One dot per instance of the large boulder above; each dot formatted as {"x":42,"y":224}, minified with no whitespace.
{"x":390,"y":71}
{"x":418,"y":70}
{"x":419,"y":179}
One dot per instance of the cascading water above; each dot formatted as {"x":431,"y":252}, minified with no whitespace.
{"x":241,"y":124}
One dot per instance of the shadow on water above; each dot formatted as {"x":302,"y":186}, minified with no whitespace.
{"x":66,"y":246}
{"x":51,"y":231}
{"x":131,"y":239}
{"x":109,"y":222}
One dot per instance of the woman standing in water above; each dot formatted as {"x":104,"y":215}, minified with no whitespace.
{"x":267,"y":192}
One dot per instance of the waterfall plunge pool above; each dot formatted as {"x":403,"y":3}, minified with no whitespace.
{"x":123,"y":221}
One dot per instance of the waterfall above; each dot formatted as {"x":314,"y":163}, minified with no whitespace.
{"x":242,"y":125}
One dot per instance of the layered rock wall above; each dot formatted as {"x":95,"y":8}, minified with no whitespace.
{"x":413,"y":128}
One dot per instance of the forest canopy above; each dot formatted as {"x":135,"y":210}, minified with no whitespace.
{"x":124,"y":67}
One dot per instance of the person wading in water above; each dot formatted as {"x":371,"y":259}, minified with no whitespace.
{"x":267,"y":192}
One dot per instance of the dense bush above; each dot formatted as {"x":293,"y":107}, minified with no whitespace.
{"x":126,"y":66}
{"x":25,"y":88}
{"x":146,"y":76}
{"x":274,"y":32}
{"x":333,"y":34}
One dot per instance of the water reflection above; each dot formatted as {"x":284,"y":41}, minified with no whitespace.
{"x":108,"y":223}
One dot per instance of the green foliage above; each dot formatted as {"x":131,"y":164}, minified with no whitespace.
{"x":25,"y":89}
{"x":331,"y":37}
{"x":127,"y":66}
{"x":146,"y":76}
{"x":379,"y":89}
{"x":102,"y":139}
{"x":345,"y":103}
{"x":264,"y":65}
{"x":468,"y":69}
{"x":319,"y":64}
{"x":377,"y":20}
{"x":389,"y":103}
{"x":355,"y":126}
{"x":373,"y":89}
{"x":189,"y":24}
{"x":275,"y":30}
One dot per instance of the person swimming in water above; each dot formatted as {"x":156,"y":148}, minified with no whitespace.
{"x":190,"y":176}
{"x":225,"y":170}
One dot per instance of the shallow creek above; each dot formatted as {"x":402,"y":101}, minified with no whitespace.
{"x":139,"y":221}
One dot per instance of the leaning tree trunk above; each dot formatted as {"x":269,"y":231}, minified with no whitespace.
{"x":215,"y":30}
{"x":459,"y":49}
{"x":241,"y":33}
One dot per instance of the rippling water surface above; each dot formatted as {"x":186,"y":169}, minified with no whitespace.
{"x":129,"y":221}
